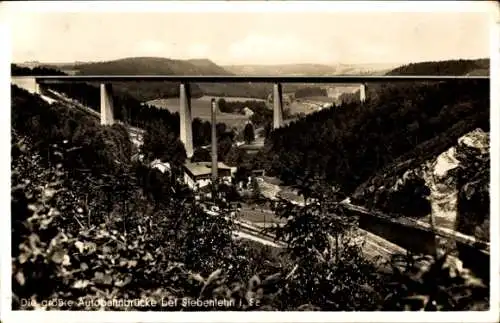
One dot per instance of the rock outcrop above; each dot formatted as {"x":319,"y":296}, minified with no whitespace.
{"x":453,"y":187}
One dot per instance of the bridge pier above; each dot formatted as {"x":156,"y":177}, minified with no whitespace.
{"x":37,"y":88}
{"x":362,"y":92}
{"x":186,"y":131}
{"x":277,"y":106}
{"x":107,"y":117}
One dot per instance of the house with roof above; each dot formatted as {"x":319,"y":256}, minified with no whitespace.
{"x":199,"y":174}
{"x":248,"y":112}
{"x":161,"y":166}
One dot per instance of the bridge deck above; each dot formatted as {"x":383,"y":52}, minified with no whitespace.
{"x":254,"y":79}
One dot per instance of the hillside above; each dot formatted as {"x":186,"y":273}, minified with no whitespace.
{"x":282,"y":69}
{"x":208,"y":65}
{"x":450,"y":67}
{"x":456,"y":182}
{"x":399,"y":122}
{"x":452,"y":166}
{"x":459,"y":67}
{"x":151,"y":66}
{"x":309,"y":69}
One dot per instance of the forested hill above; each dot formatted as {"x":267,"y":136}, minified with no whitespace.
{"x":348,"y":144}
{"x":451,"y":67}
{"x":151,"y":66}
{"x":158,"y":66}
{"x":310,"y":69}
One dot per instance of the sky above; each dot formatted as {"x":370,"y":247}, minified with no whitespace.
{"x":227,"y":38}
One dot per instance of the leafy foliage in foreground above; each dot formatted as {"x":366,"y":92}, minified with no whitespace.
{"x":176,"y":252}
{"x":329,"y":264}
{"x":433,"y":284}
{"x":68,"y":242}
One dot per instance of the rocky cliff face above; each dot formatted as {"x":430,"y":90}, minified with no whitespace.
{"x":452,"y":177}
{"x":473,"y":182}
{"x":453,"y":187}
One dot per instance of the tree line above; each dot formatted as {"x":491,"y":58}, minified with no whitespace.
{"x":449,"y":67}
{"x":310,"y":91}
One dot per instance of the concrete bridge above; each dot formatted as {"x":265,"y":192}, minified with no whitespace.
{"x":30,"y":84}
{"x":185,"y":90}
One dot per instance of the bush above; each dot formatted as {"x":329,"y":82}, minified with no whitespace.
{"x":433,"y":284}
{"x":330,"y":272}
{"x":248,"y":133}
{"x":79,"y":249}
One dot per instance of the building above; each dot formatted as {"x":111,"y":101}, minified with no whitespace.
{"x":199,"y":174}
{"x":248,"y":112}
{"x":258,"y":172}
{"x":161,"y":166}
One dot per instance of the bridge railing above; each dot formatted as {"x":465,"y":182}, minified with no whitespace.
{"x":185,"y":92}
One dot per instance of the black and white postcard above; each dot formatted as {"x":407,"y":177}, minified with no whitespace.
{"x":239,"y":161}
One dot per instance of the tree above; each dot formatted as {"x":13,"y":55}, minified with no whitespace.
{"x":160,"y":142}
{"x":236,"y":156}
{"x":224,"y":145}
{"x":242,"y":175}
{"x":267,"y":129}
{"x":254,"y":186}
{"x":224,"y":107}
{"x":328,"y":266}
{"x":248,"y":133}
{"x":310,"y":91}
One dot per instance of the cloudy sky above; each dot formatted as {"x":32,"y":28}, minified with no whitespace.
{"x":250,"y":37}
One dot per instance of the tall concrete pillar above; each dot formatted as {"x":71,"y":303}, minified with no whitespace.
{"x":362,"y":92}
{"x":107,"y":117}
{"x":186,"y":130}
{"x":215,"y":166}
{"x":277,"y":106}
{"x":37,"y":88}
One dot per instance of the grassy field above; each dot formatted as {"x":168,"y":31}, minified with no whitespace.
{"x":208,"y":98}
{"x":302,"y":107}
{"x":258,"y":215}
{"x":200,"y":108}
{"x":307,"y":107}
